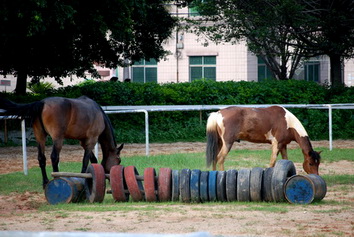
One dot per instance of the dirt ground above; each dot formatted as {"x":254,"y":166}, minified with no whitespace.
{"x":334,"y":216}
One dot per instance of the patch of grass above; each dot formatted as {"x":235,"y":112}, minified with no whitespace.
{"x":237,"y":159}
{"x":332,"y":180}
{"x":265,"y":207}
{"x":336,"y":154}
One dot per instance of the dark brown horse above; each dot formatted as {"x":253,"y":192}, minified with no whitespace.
{"x":274,"y":125}
{"x":82,"y":119}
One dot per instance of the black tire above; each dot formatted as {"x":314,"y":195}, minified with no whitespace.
{"x":175,"y":185}
{"x":204,"y":196}
{"x":266,"y":185}
{"x":221,"y":186}
{"x":212,"y":185}
{"x":283,"y":169}
{"x":243,"y":185}
{"x":231,"y":185}
{"x":195,"y":185}
{"x":256,"y":184}
{"x":184,"y":185}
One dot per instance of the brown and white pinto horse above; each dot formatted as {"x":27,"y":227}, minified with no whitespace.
{"x":82,"y":119}
{"x":274,"y":125}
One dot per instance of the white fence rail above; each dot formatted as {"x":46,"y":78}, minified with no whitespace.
{"x":160,"y":108}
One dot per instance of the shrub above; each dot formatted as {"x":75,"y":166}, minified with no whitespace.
{"x":176,"y":126}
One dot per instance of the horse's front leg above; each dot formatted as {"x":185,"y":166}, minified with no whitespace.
{"x":283,"y":152}
{"x":88,"y":156}
{"x":93,"y":158}
{"x":275,"y":152}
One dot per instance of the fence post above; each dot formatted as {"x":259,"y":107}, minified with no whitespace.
{"x":330,"y":126}
{"x":24,"y":147}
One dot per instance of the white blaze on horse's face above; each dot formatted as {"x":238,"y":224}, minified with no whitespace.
{"x":293,"y":122}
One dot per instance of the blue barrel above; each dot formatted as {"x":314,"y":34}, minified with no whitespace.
{"x":304,"y":189}
{"x":65,"y":190}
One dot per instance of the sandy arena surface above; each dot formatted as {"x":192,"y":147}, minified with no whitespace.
{"x":334,"y":216}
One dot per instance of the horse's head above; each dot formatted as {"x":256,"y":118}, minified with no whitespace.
{"x":113,"y":159}
{"x":312,"y":162}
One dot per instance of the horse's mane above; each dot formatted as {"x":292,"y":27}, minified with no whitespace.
{"x":108,"y":123}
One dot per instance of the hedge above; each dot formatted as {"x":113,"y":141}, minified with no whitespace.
{"x":186,"y":126}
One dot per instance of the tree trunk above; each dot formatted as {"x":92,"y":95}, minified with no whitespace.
{"x":336,"y":70}
{"x":21,"y":84}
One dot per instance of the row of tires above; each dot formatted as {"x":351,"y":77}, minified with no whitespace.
{"x":186,"y":185}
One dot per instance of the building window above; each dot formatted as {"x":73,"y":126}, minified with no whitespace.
{"x":202,"y":67}
{"x":263,"y":71}
{"x":312,"y":71}
{"x":144,"y":71}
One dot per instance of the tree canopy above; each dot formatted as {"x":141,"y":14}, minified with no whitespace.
{"x":284,"y":31}
{"x":58,"y":38}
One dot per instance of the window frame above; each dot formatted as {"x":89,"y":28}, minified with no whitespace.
{"x":203,"y":65}
{"x":145,"y":66}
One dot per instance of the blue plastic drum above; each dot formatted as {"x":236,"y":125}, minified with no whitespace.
{"x":65,"y":190}
{"x":303,"y":189}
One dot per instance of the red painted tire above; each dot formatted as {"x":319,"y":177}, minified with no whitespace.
{"x":150,"y":185}
{"x":118,"y":184}
{"x":96,"y":186}
{"x":165,"y":184}
{"x":135,"y":187}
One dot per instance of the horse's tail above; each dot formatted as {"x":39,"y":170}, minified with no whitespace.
{"x":27,"y":111}
{"x":212,"y":139}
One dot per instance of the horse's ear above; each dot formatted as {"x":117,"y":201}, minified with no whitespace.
{"x":120,"y":148}
{"x":319,"y":152}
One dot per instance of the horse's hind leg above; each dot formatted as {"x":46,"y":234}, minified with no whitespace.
{"x":41,"y":136}
{"x":57,"y":146}
{"x":93,"y":158}
{"x":226,"y":147}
